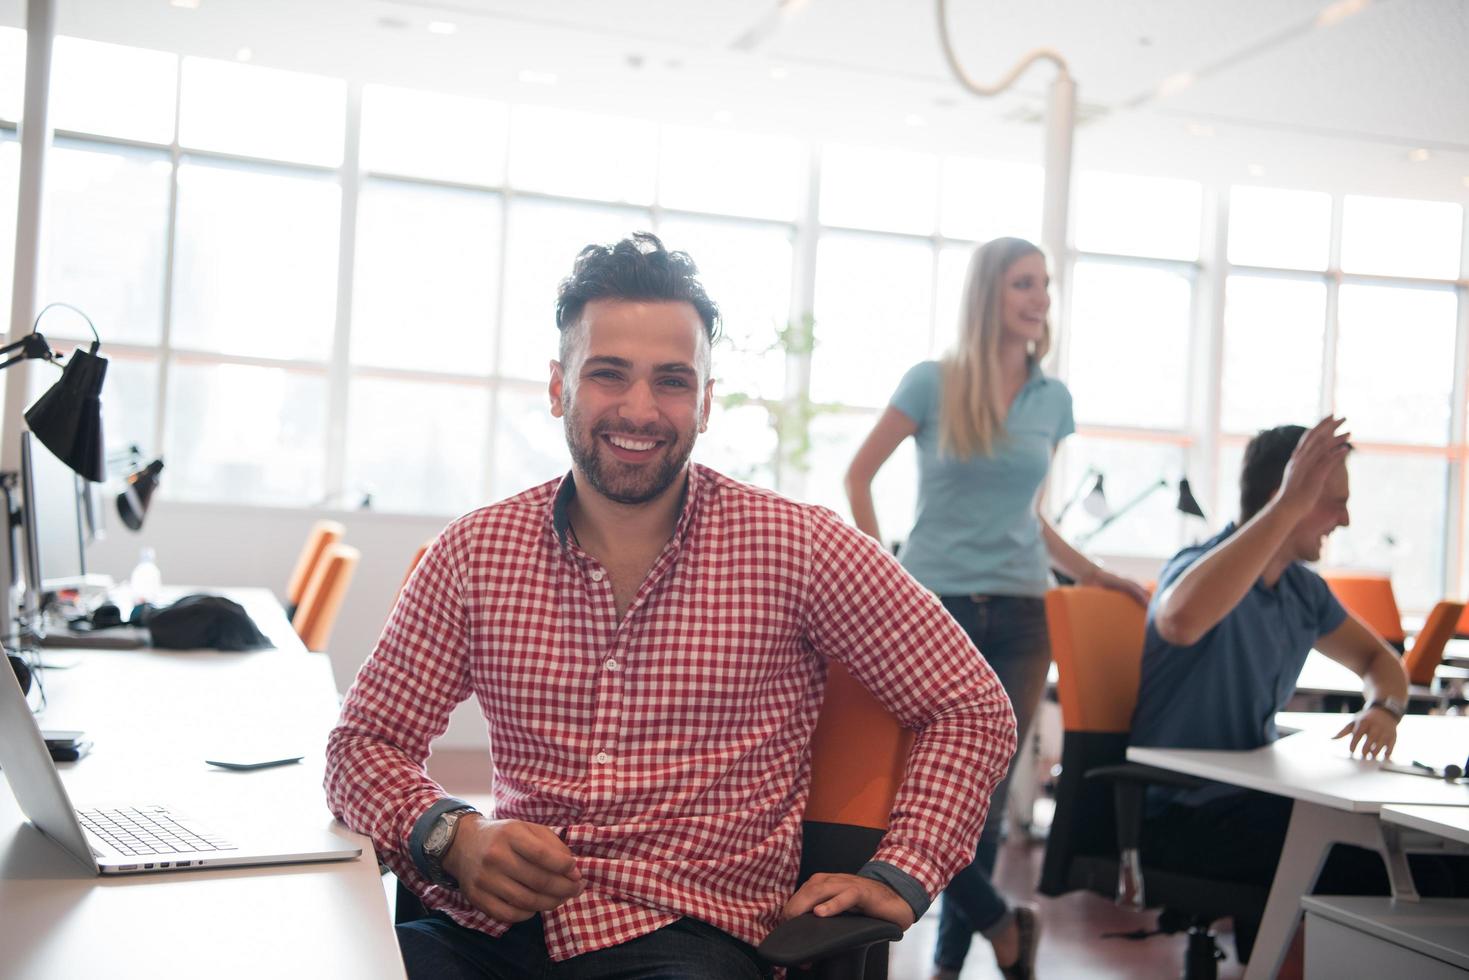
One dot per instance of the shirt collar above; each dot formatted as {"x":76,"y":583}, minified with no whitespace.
{"x":560,"y":516}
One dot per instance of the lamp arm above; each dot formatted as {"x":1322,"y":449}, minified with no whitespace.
{"x":1039,"y":54}
{"x":31,"y":346}
{"x":1107,"y":522}
{"x":1075,"y":495}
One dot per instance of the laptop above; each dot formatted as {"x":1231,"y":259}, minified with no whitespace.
{"x":139,"y":838}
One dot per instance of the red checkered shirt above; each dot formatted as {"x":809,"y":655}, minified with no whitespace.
{"x":668,"y":749}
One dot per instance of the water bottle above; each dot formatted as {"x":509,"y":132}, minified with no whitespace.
{"x":146,"y":580}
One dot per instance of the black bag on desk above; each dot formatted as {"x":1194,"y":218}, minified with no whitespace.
{"x":200,"y":622}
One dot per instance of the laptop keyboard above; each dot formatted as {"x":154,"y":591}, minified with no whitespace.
{"x":149,"y":830}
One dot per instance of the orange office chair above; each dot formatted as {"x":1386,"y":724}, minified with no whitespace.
{"x":1462,"y":630}
{"x":322,"y":534}
{"x":1426,"y":653}
{"x":322,"y":600}
{"x":858,"y":755}
{"x":417,"y":557}
{"x":1094,"y":842}
{"x":1370,"y":598}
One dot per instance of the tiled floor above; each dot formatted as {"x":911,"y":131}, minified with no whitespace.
{"x":1071,"y":945}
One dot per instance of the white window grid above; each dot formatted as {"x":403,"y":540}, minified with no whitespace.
{"x":1202,"y":439}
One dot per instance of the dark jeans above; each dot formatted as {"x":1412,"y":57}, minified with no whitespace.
{"x":438,"y":948}
{"x":1238,"y":837}
{"x":1011,"y":633}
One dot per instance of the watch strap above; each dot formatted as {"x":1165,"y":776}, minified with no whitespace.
{"x":1392,"y":706}
{"x":423,"y":825}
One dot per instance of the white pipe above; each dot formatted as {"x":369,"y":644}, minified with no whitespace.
{"x":35,"y":137}
{"x":1039,"y":54}
{"x":1055,"y":214}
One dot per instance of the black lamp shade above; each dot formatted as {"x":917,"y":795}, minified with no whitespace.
{"x":132,"y":503}
{"x":67,"y":419}
{"x":1186,"y":500}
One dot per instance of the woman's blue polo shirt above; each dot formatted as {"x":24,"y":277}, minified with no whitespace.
{"x":976,"y":530}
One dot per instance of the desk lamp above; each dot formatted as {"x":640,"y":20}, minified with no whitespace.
{"x":138,"y":488}
{"x":1187,"y":503}
{"x":67,"y":419}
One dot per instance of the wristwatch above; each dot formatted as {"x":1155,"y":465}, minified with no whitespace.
{"x":1392,"y":706}
{"x":438,"y":842}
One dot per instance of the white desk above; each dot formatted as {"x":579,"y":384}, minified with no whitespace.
{"x":1448,"y":822}
{"x":1322,"y":675}
{"x":154,"y":715}
{"x":1338,"y":799}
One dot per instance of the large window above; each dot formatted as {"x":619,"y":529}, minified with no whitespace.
{"x":318,"y":293}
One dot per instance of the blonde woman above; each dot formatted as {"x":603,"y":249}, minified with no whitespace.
{"x":987,"y":422}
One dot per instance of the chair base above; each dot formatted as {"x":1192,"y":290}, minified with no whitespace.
{"x":1201,"y":961}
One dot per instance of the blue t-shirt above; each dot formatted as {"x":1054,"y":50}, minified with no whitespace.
{"x":976,"y":529}
{"x":1223,"y":692}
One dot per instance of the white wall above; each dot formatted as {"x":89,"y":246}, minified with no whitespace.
{"x":214,"y":546}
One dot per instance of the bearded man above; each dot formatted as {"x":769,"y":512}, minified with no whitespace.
{"x":648,"y":642}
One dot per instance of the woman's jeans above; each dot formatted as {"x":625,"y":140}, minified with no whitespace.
{"x":1011,"y":633}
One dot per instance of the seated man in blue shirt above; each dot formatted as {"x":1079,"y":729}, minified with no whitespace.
{"x":1228,"y":631}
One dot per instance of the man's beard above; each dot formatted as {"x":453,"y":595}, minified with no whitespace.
{"x":627,"y":483}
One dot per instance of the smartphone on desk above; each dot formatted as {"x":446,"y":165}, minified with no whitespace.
{"x":66,"y":745}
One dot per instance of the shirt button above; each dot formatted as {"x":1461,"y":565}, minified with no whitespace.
{"x":612,"y":664}
{"x":602,"y":758}
{"x":598,"y":575}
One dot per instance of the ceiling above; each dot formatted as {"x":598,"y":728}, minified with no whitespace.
{"x":1262,"y":91}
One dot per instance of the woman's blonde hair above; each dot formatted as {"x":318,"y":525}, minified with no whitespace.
{"x":971,"y":415}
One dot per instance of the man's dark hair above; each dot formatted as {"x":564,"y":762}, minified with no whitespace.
{"x":1264,"y":467}
{"x":1266,"y":457}
{"x":636,"y":268}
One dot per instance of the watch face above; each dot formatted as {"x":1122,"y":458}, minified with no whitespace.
{"x":438,"y":838}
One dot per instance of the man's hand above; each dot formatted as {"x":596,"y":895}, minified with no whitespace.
{"x":511,"y":870}
{"x":1318,"y":451}
{"x":1126,"y":586}
{"x":828,"y":895}
{"x":1377,"y":731}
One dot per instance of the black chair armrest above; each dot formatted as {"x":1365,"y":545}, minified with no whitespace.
{"x":1129,"y":781}
{"x":809,"y":938}
{"x":1136,"y":772}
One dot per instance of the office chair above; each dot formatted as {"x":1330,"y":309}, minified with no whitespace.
{"x":413,"y":564}
{"x":858,"y":757}
{"x":1094,"y":843}
{"x":1462,"y":630}
{"x":1426,"y":653}
{"x":322,"y":600}
{"x":322,"y":534}
{"x":1370,"y":598}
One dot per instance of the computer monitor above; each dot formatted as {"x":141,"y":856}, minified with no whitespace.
{"x":30,"y":601}
{"x":60,"y":521}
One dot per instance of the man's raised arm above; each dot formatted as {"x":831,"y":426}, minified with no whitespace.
{"x":1205,"y":593}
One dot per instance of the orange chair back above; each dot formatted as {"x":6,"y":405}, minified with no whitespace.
{"x":1370,"y":598}
{"x":322,"y":535}
{"x":417,"y":557}
{"x":1424,"y":656}
{"x":858,"y":755}
{"x":1463,"y":628}
{"x":1097,"y":640}
{"x":317,"y":613}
